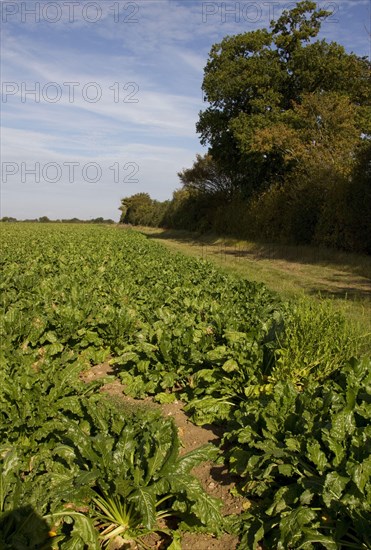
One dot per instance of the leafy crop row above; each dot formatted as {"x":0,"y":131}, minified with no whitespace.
{"x":66,"y":451}
{"x":306,"y":458}
{"x":73,"y":297}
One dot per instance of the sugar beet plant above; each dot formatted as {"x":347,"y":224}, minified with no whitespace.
{"x":168,"y":323}
{"x":80,"y":470}
{"x":72,"y":298}
{"x":305,"y":460}
{"x":73,"y":458}
{"x":74,"y":465}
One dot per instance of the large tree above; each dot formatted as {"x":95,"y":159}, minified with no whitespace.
{"x":253,"y":80}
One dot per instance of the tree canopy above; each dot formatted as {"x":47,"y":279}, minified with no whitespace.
{"x":140,"y":209}
{"x":288,"y":130}
{"x":206,"y":176}
{"x":253,"y":81}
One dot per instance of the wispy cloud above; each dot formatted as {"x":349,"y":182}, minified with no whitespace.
{"x":161,"y":47}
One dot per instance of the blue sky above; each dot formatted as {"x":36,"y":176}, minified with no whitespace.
{"x":116,"y":94}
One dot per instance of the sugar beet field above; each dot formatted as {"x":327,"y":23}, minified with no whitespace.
{"x":285,"y":387}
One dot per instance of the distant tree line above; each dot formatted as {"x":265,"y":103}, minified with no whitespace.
{"x":288,"y":130}
{"x":45,"y":219}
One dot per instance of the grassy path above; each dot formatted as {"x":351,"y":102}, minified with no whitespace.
{"x":290,"y":271}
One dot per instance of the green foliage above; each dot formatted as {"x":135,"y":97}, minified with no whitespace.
{"x":253,"y":80}
{"x":68,"y":303}
{"x":140,"y":209}
{"x":306,"y":456}
{"x":45,"y":219}
{"x":205,"y":176}
{"x":288,"y":129}
{"x":345,"y":219}
{"x":190,"y":209}
{"x":80,"y":469}
{"x":286,"y":119}
{"x":315,"y":342}
{"x":296,"y":26}
{"x":70,"y":448}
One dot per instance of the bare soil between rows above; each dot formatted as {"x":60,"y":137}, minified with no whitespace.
{"x":215,"y":479}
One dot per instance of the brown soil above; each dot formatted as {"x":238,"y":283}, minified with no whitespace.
{"x":214,"y":478}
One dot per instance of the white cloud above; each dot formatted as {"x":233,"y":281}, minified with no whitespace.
{"x":31,"y":163}
{"x":164,"y":53}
